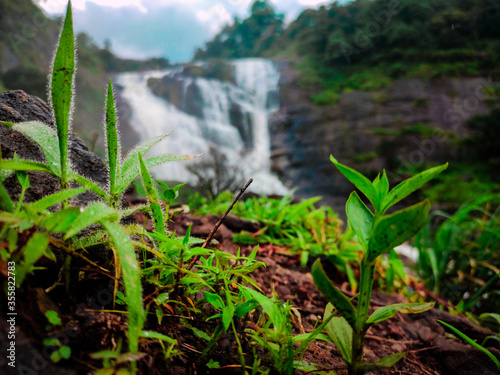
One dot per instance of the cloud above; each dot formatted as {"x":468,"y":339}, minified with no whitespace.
{"x":170,"y":31}
{"x":214,"y":18}
{"x":169,"y":28}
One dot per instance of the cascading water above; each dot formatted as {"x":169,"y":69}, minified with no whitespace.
{"x":231,"y":116}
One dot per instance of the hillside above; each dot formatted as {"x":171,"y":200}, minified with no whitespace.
{"x":27,"y":43}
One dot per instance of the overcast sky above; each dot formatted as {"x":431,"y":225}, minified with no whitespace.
{"x":169,"y":28}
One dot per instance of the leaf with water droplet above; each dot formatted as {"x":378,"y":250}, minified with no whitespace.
{"x":91,"y":215}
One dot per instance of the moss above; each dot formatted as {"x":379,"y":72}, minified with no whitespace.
{"x":380,"y":98}
{"x":326,"y":98}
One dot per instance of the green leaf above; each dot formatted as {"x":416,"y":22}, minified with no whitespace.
{"x":410,"y":185}
{"x":381,"y":187}
{"x":392,"y":230}
{"x":65,"y":351}
{"x":35,"y":248}
{"x":62,"y":87}
{"x":92,"y":186}
{"x":340,"y":332}
{"x":245,"y":308}
{"x":91,"y":215}
{"x":112,"y":142}
{"x":61,"y":220}
{"x":9,"y":124}
{"x":53,"y":318}
{"x":22,"y":177}
{"x":158,"y":336}
{"x":5,"y":201}
{"x":227,"y":315}
{"x":358,"y":180}
{"x":50,"y":200}
{"x":215,"y":300}
{"x":360,"y":218}
{"x":45,"y":137}
{"x":332,"y":293}
{"x":132,"y":281}
{"x":131,"y":170}
{"x":153,"y":198}
{"x":471,"y":342}
{"x":387,"y":312}
{"x":269,"y":307}
{"x":385,"y":362}
{"x":24,"y":166}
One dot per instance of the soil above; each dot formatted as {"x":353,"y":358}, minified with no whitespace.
{"x":90,"y":326}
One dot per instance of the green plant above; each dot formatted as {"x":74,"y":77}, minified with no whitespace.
{"x":328,"y":97}
{"x":300,"y":227}
{"x":459,"y":258}
{"x":59,"y":351}
{"x":20,"y":220}
{"x":378,"y":233}
{"x":471,"y":342}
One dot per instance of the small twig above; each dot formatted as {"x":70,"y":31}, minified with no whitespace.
{"x":60,"y":246}
{"x":219,"y":223}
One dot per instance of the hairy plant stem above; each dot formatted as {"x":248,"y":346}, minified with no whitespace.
{"x":359,"y":332}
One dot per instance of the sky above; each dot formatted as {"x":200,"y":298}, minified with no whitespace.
{"x":169,"y":28}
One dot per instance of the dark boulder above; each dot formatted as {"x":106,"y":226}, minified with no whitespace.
{"x":17,"y":106}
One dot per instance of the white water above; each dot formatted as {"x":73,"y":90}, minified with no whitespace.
{"x":255,"y":93}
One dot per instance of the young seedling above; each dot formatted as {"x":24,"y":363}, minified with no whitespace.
{"x":378,"y":233}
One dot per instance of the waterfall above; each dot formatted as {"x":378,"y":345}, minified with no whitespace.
{"x":231,"y":115}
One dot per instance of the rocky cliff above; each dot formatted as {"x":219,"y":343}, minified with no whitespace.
{"x":410,"y":123}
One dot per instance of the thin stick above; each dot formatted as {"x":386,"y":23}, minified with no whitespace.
{"x":60,"y":246}
{"x":219,"y":223}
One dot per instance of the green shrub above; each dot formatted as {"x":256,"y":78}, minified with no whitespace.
{"x":326,"y":98}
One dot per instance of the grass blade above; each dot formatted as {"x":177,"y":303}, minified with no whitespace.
{"x":471,"y":342}
{"x":153,"y":198}
{"x":50,"y":200}
{"x":92,"y":186}
{"x":62,"y":89}
{"x":132,"y":281}
{"x":24,"y":165}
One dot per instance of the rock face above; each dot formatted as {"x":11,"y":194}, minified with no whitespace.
{"x":409,"y":123}
{"x":17,"y":106}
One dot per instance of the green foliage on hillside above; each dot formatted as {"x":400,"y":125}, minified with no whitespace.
{"x":402,"y":37}
{"x":247,"y":38}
